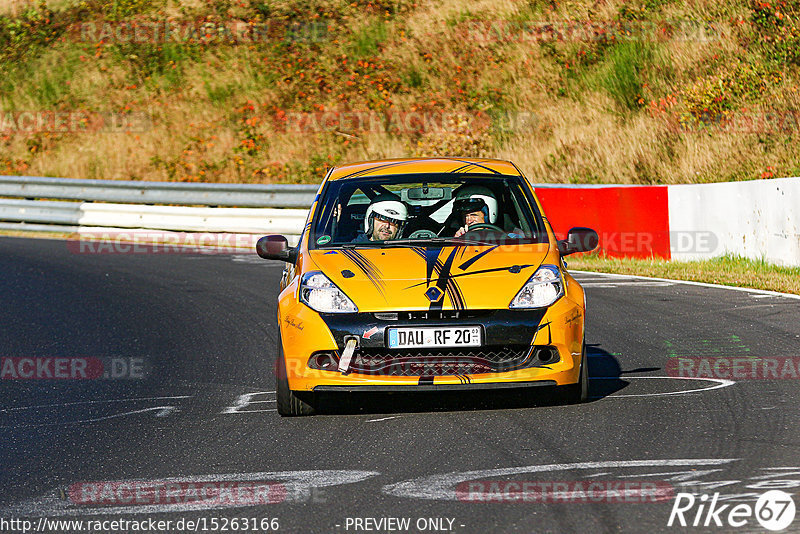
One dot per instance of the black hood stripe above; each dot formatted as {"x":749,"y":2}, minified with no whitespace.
{"x":468,"y":164}
{"x":483,"y":271}
{"x":463,"y":168}
{"x":445,"y":281}
{"x":467,"y":264}
{"x":431,"y":257}
{"x":366,"y":267}
{"x":377,"y":167}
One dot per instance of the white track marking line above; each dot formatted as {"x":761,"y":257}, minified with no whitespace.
{"x":93,"y":402}
{"x":701,"y":284}
{"x":734,"y":308}
{"x":721,"y":383}
{"x":443,"y":486}
{"x":297,"y":484}
{"x":610,"y":283}
{"x":163,"y":411}
{"x":242,"y":401}
{"x":382,"y":419}
{"x":778,"y":468}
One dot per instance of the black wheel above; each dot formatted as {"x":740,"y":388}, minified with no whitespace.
{"x":289,"y":403}
{"x":578,"y":393}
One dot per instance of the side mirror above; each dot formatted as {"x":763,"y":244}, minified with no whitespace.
{"x":276,"y":247}
{"x":578,"y":239}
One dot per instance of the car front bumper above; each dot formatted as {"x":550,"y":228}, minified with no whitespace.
{"x":305,"y":332}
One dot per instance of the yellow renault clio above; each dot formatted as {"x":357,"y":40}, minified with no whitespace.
{"x":427,"y":274}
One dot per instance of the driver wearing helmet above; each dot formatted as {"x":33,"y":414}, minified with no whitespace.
{"x":385,"y":218}
{"x":475,"y":205}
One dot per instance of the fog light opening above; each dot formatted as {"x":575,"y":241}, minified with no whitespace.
{"x":324,"y":361}
{"x":547,"y":355}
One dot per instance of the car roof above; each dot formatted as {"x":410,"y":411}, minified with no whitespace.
{"x":388,"y":167}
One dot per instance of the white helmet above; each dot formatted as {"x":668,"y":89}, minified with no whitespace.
{"x":388,"y":208}
{"x":476,"y":198}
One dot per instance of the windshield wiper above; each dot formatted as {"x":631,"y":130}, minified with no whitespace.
{"x":437,"y":240}
{"x":418,"y":242}
{"x":357,"y":244}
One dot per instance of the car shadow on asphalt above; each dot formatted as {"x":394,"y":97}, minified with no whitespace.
{"x":605,"y":373}
{"x":605,"y":378}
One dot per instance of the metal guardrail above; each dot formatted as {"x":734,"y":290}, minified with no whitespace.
{"x":187,"y":194}
{"x":258,"y":208}
{"x":43,"y":212}
{"x":194,"y":219}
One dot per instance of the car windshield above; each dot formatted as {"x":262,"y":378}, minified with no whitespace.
{"x":412,"y":210}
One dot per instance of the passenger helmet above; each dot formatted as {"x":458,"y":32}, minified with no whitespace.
{"x":388,"y":207}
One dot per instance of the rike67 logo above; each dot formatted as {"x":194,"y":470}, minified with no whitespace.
{"x":774,"y":510}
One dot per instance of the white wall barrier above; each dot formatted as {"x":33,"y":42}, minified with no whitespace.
{"x":755,"y":219}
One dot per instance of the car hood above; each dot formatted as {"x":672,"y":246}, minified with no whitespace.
{"x":421,"y":278}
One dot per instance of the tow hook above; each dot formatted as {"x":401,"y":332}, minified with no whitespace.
{"x":350,"y":345}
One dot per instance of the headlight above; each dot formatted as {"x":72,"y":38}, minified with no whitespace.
{"x":542,"y":289}
{"x":320,"y":294}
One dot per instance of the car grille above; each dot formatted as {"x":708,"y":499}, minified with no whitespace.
{"x":442,"y":362}
{"x":427,"y":315}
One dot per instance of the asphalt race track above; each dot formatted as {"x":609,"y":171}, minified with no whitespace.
{"x":193,"y":338}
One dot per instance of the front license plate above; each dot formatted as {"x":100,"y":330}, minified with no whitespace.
{"x":435,"y":336}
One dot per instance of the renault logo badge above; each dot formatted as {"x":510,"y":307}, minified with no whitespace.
{"x":434,"y":294}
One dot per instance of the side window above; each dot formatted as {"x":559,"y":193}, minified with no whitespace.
{"x":516,"y":220}
{"x":532,"y":227}
{"x":351,"y":219}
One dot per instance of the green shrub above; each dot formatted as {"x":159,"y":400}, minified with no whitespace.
{"x":161,"y":63}
{"x":368,"y":39}
{"x":623,"y":75}
{"x":30,"y":31}
{"x":123,"y":9}
{"x":712,"y":97}
{"x":777,"y":27}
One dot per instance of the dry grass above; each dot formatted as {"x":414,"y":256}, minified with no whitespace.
{"x":14,"y":7}
{"x":727,"y":270}
{"x":36,"y":235}
{"x":581,"y":133}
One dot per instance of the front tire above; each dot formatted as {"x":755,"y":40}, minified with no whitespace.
{"x":579,"y":393}
{"x":289,"y":403}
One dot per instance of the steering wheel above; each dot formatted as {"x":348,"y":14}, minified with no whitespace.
{"x":484,"y":226}
{"x":422,"y":234}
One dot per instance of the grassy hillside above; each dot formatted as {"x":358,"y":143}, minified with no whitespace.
{"x":615,"y":92}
